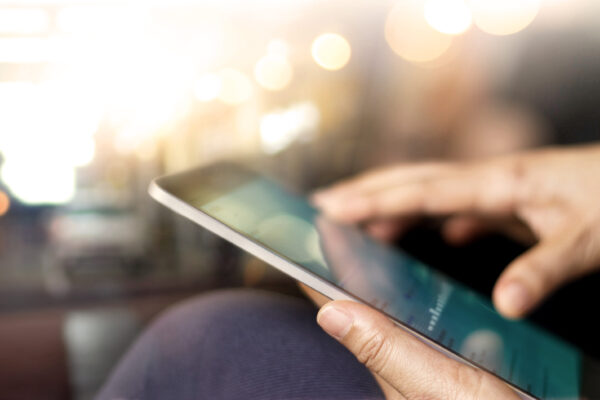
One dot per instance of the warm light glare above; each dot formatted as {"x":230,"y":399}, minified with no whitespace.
{"x":144,"y":97}
{"x":281,"y":128}
{"x":41,"y":154}
{"x":39,"y":182}
{"x":208,"y":87}
{"x":331,"y":51}
{"x":273,"y":72}
{"x":61,"y":132}
{"x":504,"y":17}
{"x":29,"y":50}
{"x":448,"y":16}
{"x":278,"y":47}
{"x":23,"y":21}
{"x":147,"y":151}
{"x":99,"y":19}
{"x":411,"y":37}
{"x":236,"y":88}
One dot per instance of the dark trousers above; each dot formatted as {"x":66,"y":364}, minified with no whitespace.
{"x":239,"y":344}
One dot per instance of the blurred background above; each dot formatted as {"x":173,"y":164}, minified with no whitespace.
{"x":97,"y":97}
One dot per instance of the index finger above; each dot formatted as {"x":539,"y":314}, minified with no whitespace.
{"x":379,"y":179}
{"x":487,"y":188}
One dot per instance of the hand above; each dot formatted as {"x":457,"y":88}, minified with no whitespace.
{"x":405,"y":367}
{"x":554,"y":193}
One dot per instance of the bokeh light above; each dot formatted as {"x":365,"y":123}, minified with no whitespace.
{"x":4,"y":203}
{"x":411,"y":37}
{"x":504,"y":17}
{"x":279,"y":129}
{"x":40,"y":154}
{"x":236,"y":88}
{"x":273,"y":72}
{"x":39,"y":183}
{"x":331,"y":51}
{"x":208,"y":87}
{"x":144,"y":97}
{"x":448,"y":16}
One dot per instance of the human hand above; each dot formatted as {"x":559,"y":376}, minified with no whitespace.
{"x":406,"y":368}
{"x":555,"y":193}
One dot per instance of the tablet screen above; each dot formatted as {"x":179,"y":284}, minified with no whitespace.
{"x":412,"y":293}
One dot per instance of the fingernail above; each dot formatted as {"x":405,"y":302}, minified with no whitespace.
{"x":334,"y":321}
{"x":515,"y":298}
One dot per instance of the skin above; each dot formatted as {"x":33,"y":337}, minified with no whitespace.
{"x":404,"y":367}
{"x":548,"y":198}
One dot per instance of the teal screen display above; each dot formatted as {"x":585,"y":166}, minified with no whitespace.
{"x":412,"y":293}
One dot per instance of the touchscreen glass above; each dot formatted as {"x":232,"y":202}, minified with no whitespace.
{"x":432,"y":304}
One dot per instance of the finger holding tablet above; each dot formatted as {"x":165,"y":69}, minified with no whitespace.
{"x":410,"y":367}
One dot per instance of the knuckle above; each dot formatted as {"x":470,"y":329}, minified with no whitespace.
{"x":517,"y":171}
{"x":517,"y":185}
{"x":502,"y":186}
{"x":369,"y":207}
{"x":374,"y":352}
{"x":429,"y":198}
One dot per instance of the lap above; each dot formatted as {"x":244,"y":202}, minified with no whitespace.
{"x":239,"y":344}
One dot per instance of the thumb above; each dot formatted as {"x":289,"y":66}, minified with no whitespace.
{"x":410,"y":366}
{"x":536,"y":274}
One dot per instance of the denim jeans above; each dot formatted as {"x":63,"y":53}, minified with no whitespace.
{"x":239,"y":344}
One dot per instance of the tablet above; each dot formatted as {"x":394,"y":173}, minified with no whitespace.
{"x":280,"y":227}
